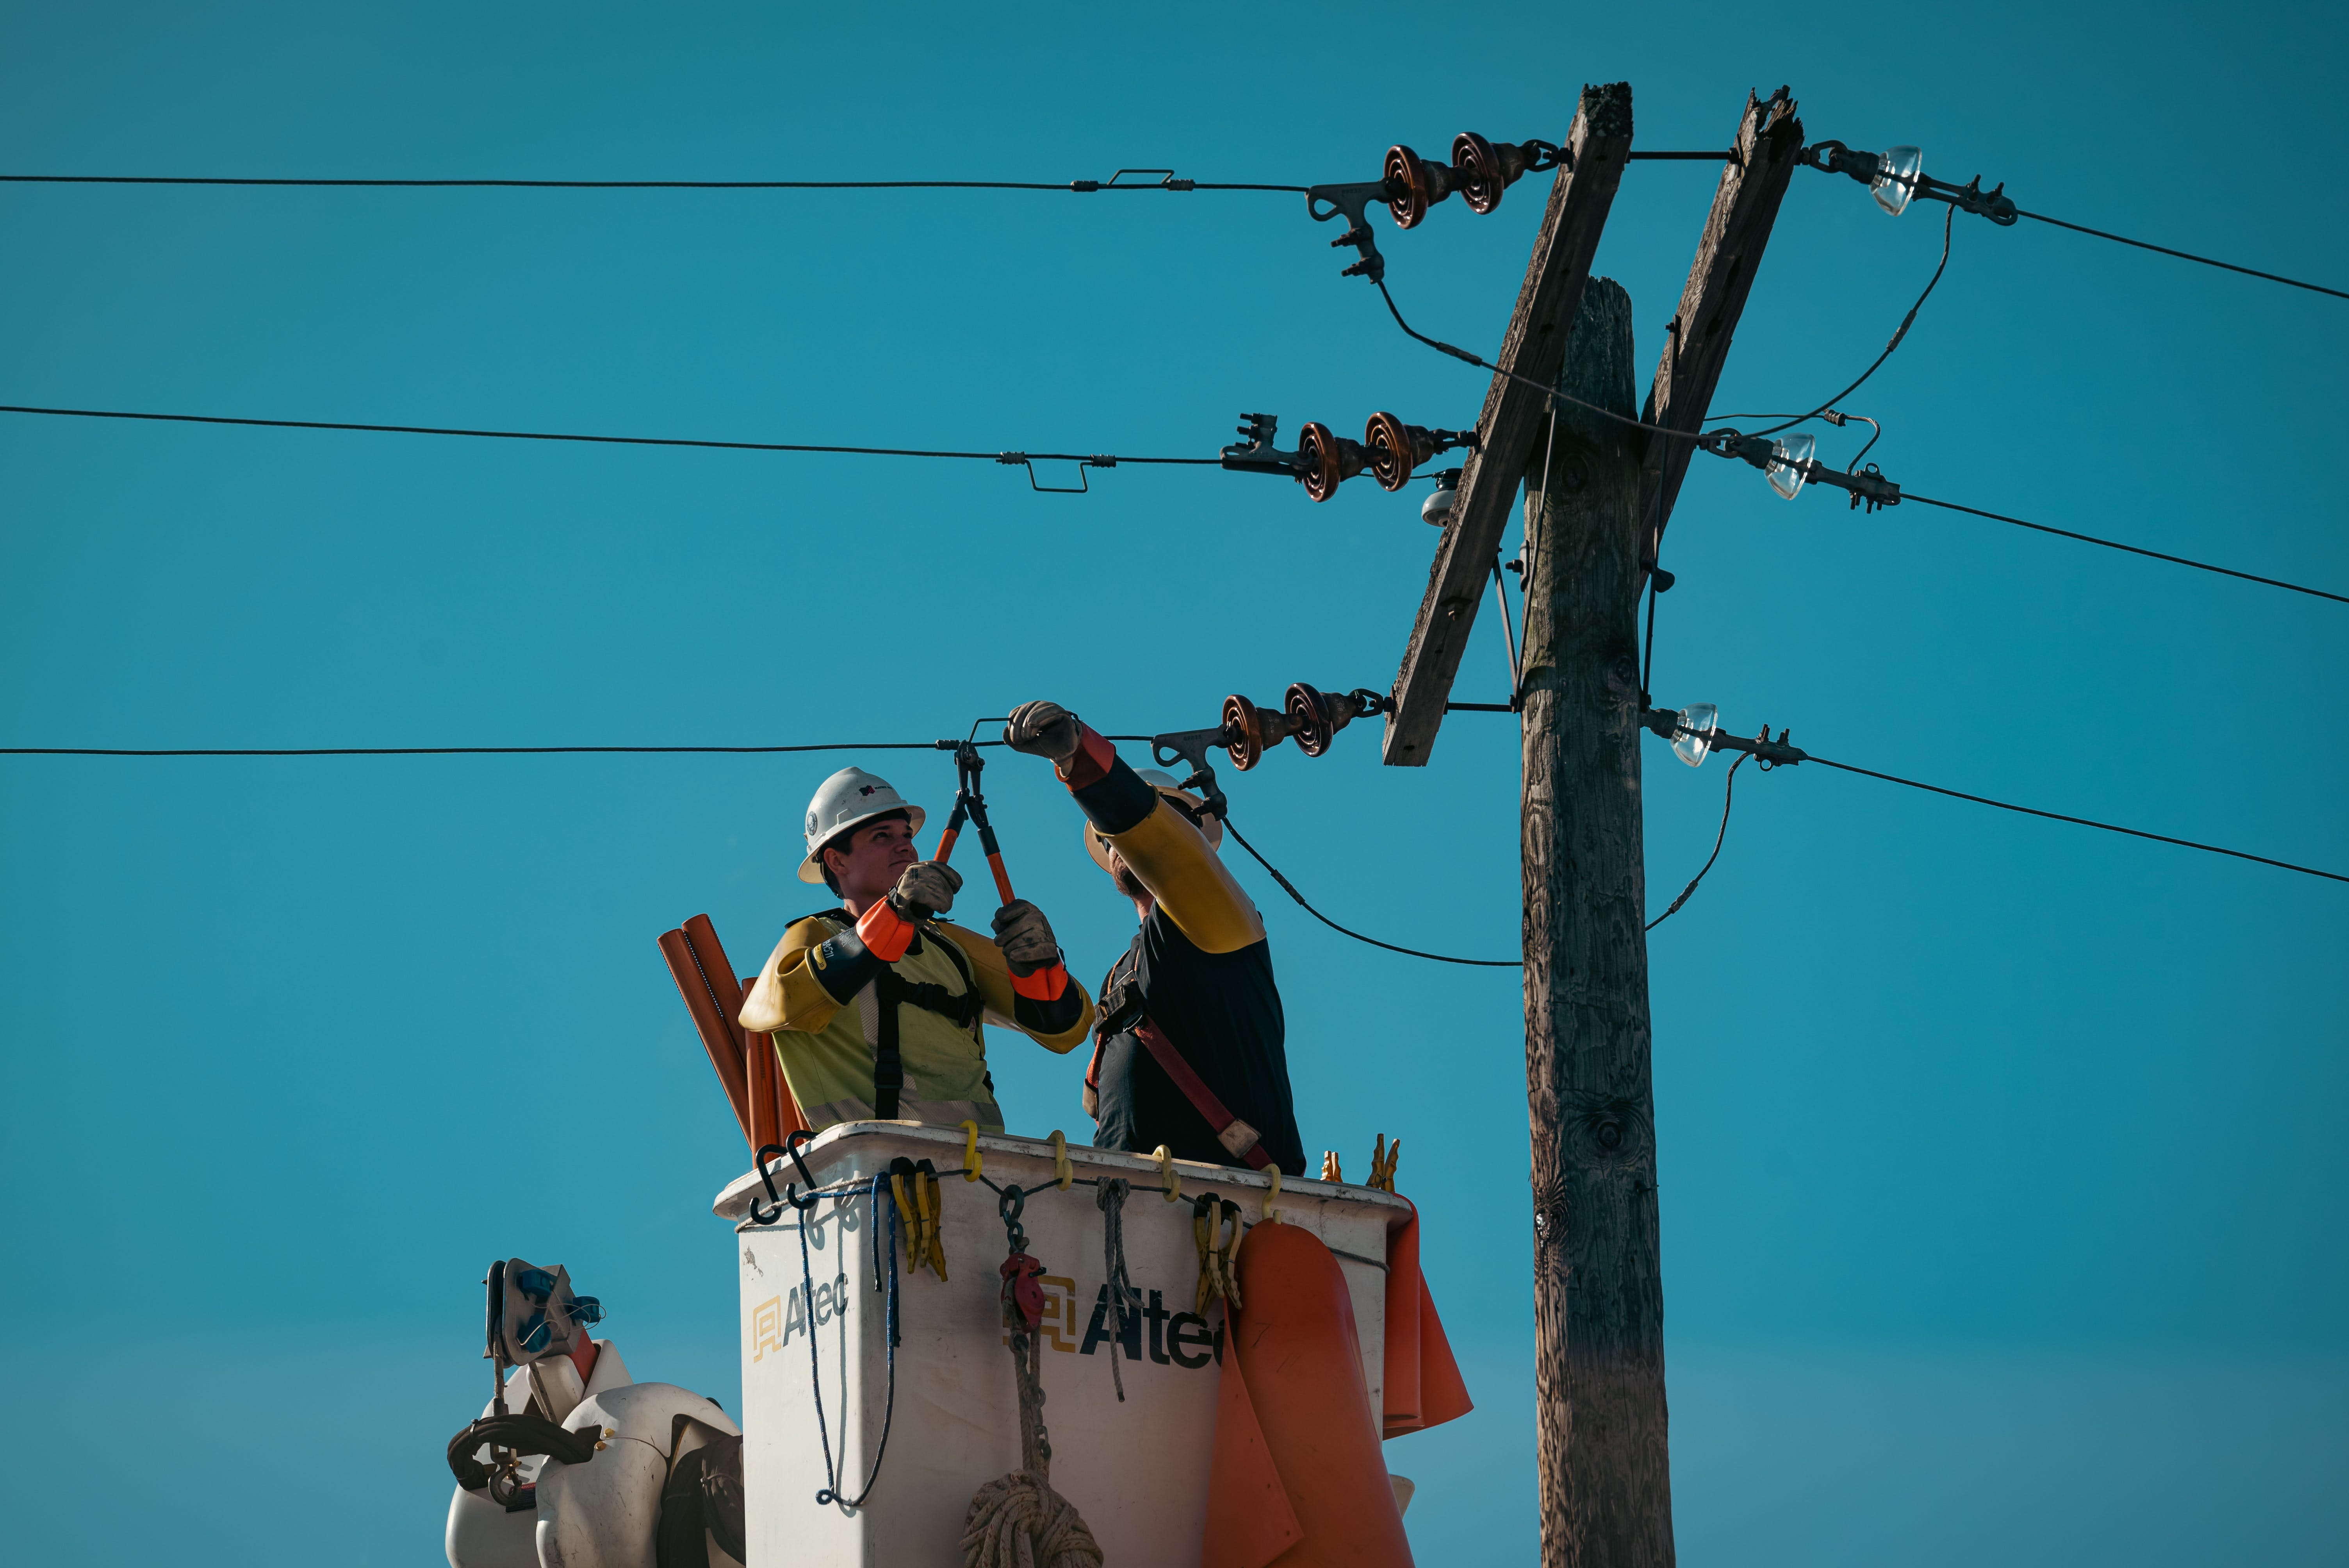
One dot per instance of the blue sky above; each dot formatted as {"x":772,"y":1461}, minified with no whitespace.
{"x":2002,"y":1162}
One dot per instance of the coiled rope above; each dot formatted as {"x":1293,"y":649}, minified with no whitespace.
{"x":1017,"y":1520}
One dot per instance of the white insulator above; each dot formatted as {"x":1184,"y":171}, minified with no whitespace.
{"x":1437,"y":509}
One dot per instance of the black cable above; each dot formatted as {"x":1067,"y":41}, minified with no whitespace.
{"x":2082,"y":821}
{"x":2132,"y":549}
{"x":469,"y":750}
{"x":1083,"y":186}
{"x":1100,"y":460}
{"x":1290,"y":890}
{"x":1463,"y":355}
{"x":1906,"y":322}
{"x":2182,"y":255}
{"x":1727,"y":789}
{"x":494,"y":750}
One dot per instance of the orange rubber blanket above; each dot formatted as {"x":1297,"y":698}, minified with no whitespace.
{"x":1298,"y":1478}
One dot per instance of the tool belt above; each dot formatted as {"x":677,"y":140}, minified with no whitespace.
{"x":892,"y":991}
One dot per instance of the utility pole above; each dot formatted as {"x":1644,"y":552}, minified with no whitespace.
{"x":1599,"y":1299}
{"x":1596,"y":496}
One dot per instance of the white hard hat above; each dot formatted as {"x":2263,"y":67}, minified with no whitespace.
{"x":1169,"y":788}
{"x":844,"y":802}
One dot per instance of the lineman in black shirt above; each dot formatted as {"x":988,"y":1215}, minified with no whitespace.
{"x":1188,"y":1051}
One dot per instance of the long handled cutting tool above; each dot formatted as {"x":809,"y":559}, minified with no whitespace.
{"x":971,"y":806}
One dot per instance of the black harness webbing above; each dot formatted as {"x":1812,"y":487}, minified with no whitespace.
{"x":890,"y":991}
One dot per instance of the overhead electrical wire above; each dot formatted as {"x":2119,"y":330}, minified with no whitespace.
{"x":1083,"y":186}
{"x":2181,"y":255}
{"x":1289,"y":888}
{"x":2082,"y":821}
{"x":1706,"y":439}
{"x":2132,"y":549}
{"x":1099,"y":460}
{"x":1728,"y":790}
{"x":1906,"y":322}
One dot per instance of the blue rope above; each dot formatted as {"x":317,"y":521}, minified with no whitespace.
{"x":829,"y":1495}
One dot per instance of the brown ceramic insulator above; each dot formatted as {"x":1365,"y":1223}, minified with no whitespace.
{"x":1330,"y":459}
{"x":1395,"y":449}
{"x":1484,"y":171}
{"x":1406,"y":179}
{"x":1416,"y":185}
{"x":1250,"y":732}
{"x":1309,"y":719}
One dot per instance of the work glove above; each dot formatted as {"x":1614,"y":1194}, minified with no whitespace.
{"x":1026,"y":937}
{"x":927,"y":889}
{"x":1043,"y":729}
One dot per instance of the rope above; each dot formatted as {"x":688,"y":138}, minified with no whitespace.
{"x":1017,"y":1520}
{"x":1123,"y":1298}
{"x":830,"y":1494}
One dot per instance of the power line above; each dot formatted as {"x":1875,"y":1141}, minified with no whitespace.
{"x":1081,"y":187}
{"x":1779,"y":754}
{"x":2183,"y":255}
{"x":1728,"y":790}
{"x":2132,"y":549}
{"x":1289,"y":888}
{"x":2082,"y":821}
{"x":1712,"y":441}
{"x":1012,"y":459}
{"x":469,"y":750}
{"x":1906,"y":322}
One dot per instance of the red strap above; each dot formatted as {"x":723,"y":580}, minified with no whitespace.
{"x":1194,"y":1089}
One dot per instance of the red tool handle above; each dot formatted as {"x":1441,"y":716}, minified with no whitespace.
{"x":1002,"y":878}
{"x":946,"y":845}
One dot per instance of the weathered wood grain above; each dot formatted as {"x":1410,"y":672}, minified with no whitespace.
{"x":1696,"y":344}
{"x":1598,"y":144}
{"x":1599,"y":1346}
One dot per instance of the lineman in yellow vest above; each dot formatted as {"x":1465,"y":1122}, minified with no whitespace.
{"x":876,"y":1006}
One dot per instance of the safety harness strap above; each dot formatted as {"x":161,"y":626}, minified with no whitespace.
{"x":1233,"y":1133}
{"x":892,"y":991}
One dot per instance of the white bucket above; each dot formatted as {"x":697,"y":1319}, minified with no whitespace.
{"x":1137,"y":1470}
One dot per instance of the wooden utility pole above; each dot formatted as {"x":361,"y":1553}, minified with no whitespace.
{"x":1597,"y":495}
{"x":1599,"y":1299}
{"x":1595,"y":147}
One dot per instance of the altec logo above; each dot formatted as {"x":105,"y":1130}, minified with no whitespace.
{"x":1153,"y":1333}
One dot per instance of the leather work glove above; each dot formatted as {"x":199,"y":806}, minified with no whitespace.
{"x":1043,"y":729}
{"x":925,"y":889}
{"x":1026,"y":938}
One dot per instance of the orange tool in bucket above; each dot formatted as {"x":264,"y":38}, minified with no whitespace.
{"x":970,"y":806}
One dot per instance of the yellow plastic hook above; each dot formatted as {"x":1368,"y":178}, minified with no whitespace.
{"x":1167,"y":1173}
{"x":1062,"y":1173}
{"x":970,"y":1161}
